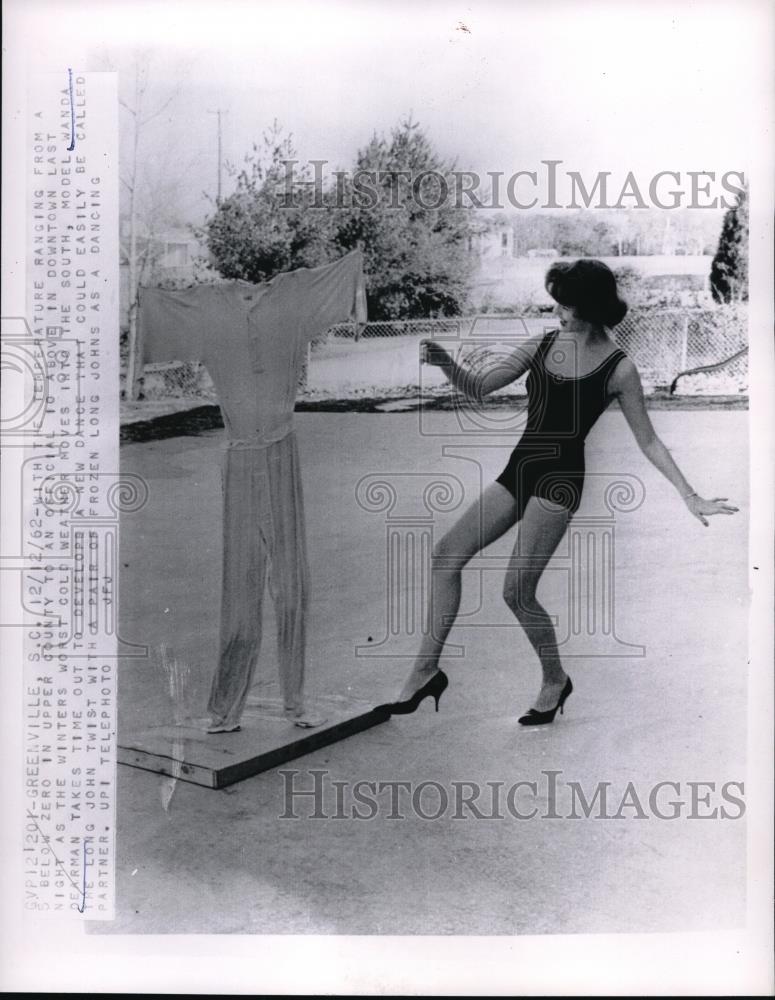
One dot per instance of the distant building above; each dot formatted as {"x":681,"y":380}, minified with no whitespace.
{"x":491,"y":241}
{"x":685,"y":288}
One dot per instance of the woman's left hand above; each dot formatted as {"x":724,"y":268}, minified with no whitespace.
{"x":700,"y":507}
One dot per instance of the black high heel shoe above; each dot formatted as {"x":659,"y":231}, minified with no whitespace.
{"x":435,"y":687}
{"x":536,"y":718}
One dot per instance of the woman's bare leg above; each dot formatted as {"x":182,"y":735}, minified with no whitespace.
{"x":540,"y":531}
{"x":485,"y":520}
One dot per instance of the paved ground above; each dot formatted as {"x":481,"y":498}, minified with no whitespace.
{"x":226,"y":861}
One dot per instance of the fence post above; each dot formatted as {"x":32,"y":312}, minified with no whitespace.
{"x":304,"y":384}
{"x":685,"y":343}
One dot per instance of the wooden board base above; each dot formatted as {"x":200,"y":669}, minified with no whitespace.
{"x":266,"y":740}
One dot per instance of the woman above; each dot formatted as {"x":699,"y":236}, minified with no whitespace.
{"x":574,"y":373}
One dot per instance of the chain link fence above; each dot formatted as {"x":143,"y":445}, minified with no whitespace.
{"x":665,"y":342}
{"x":382,"y":359}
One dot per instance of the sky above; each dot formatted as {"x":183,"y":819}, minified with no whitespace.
{"x":498,"y":86}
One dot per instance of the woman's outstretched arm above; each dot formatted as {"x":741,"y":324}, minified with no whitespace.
{"x":625,"y":384}
{"x":491,"y":372}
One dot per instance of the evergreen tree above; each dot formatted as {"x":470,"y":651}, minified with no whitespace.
{"x":729,"y":270}
{"x":413,"y":234}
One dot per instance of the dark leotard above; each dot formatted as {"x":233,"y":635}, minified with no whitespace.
{"x":548,"y":461}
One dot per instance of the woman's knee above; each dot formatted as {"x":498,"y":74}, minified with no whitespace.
{"x":519,"y":591}
{"x":449,"y":554}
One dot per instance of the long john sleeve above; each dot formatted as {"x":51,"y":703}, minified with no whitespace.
{"x":172,"y":325}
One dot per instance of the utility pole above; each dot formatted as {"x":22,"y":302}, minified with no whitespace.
{"x":219,"y":112}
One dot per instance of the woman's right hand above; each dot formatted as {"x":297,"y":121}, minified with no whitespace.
{"x":432,"y":353}
{"x":701,"y":507}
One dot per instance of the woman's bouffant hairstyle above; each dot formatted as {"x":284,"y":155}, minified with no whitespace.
{"x":589,"y":287}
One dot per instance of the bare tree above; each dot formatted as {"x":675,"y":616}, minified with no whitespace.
{"x":151,"y":172}
{"x":141,"y":110}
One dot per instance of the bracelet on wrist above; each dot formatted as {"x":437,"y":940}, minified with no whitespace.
{"x":687,"y":495}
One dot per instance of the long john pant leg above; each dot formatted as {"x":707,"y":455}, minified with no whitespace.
{"x":243,"y":582}
{"x":288,"y":569}
{"x":263,"y":520}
